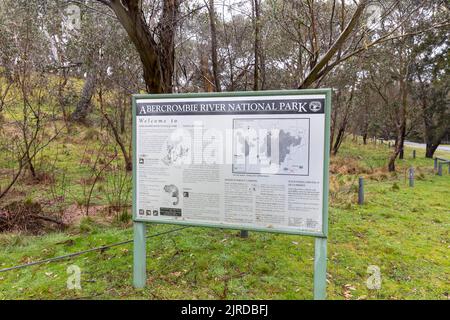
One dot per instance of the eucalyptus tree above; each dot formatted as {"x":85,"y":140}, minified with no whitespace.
{"x":432,"y":94}
{"x":213,"y":31}
{"x":151,"y":26}
{"x":346,"y":82}
{"x":430,"y":74}
{"x":117,"y":80}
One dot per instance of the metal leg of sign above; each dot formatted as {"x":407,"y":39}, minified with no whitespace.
{"x":320,"y":269}
{"x":139,"y":255}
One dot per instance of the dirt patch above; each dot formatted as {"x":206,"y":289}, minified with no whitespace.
{"x":42,"y":178}
{"x":90,"y":181}
{"x":7,"y":172}
{"x":346,"y":166}
{"x":74,"y":213}
{"x":27,"y":217}
{"x":380,"y":174}
{"x":14,"y":193}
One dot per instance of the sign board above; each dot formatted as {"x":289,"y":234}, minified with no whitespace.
{"x":241,"y":160}
{"x":253,"y":161}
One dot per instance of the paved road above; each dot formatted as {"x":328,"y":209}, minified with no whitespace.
{"x":423,"y":146}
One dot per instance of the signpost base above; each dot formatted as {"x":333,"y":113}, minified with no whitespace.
{"x":244,"y":234}
{"x":320,"y":269}
{"x":139,"y":255}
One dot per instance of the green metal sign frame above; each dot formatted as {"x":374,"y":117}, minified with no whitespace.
{"x":320,"y":251}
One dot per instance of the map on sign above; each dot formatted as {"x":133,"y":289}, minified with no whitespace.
{"x":176,"y":150}
{"x":283,"y":148}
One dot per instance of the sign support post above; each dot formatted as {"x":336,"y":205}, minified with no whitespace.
{"x":320,"y":245}
{"x":320,"y":269}
{"x":139,"y":255}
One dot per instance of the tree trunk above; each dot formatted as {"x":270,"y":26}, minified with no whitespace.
{"x":430,"y":149}
{"x":30,"y":165}
{"x":166,"y":44}
{"x":401,"y":115}
{"x":321,"y":68}
{"x":208,"y":84}
{"x":344,"y":121}
{"x":212,"y":24}
{"x":432,"y":138}
{"x":339,"y":139}
{"x":391,"y":164}
{"x":256,"y":45}
{"x":402,"y":140}
{"x":123,"y":114}
{"x":401,"y":125}
{"x":117,"y":137}
{"x":84,"y":104}
{"x":157,"y":57}
{"x":433,"y":144}
{"x":397,"y":149}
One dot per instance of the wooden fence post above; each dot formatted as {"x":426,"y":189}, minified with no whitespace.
{"x":361,"y":191}
{"x":411,"y":177}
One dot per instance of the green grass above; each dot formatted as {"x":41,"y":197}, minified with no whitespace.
{"x":404,"y":231}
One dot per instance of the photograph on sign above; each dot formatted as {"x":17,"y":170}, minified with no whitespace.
{"x":246,"y":162}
